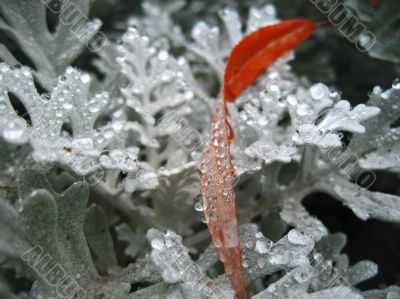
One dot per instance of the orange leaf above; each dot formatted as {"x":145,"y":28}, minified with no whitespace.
{"x":258,"y":50}
{"x":247,"y":61}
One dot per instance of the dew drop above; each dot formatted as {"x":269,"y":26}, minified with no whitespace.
{"x":167,"y":76}
{"x":291,"y":99}
{"x":157,"y":244}
{"x":117,"y":125}
{"x":188,"y":95}
{"x":396,"y":83}
{"x":45,"y":96}
{"x":67,"y":106}
{"x":385,"y":95}
{"x":94,"y":107}
{"x":4,"y":67}
{"x":85,"y":78}
{"x":108,"y":133}
{"x":319,"y":91}
{"x":14,"y":131}
{"x":163,"y":55}
{"x":59,"y":113}
{"x":138,"y":89}
{"x":303,"y":109}
{"x":274,"y":89}
{"x":245,"y":263}
{"x":69,"y":70}
{"x":198,"y":30}
{"x":217,"y":242}
{"x":26,"y":72}
{"x":270,"y":10}
{"x":198,"y":203}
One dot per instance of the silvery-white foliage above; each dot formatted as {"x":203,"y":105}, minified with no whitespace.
{"x":263,"y":257}
{"x":175,"y":265}
{"x":333,"y":266}
{"x":339,"y":118}
{"x":296,"y":283}
{"x":387,"y":293}
{"x":213,"y":46}
{"x":295,"y":214}
{"x":158,"y":21}
{"x":156,"y":85}
{"x":155,"y":80}
{"x":69,"y":102}
{"x":136,"y":240}
{"x":378,"y":148}
{"x":320,"y":110}
{"x":365,"y":204}
{"x":113,"y":79}
{"x":50,"y":52}
{"x":316,"y":115}
{"x":257,"y":115}
{"x":142,"y":128}
{"x":145,"y":179}
{"x":319,"y":278}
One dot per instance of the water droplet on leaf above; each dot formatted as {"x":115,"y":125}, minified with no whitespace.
{"x":198,"y":203}
{"x":85,"y":78}
{"x":396,"y":83}
{"x":163,"y":55}
{"x":319,"y":91}
{"x":157,"y":244}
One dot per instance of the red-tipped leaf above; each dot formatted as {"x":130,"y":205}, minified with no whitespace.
{"x":258,"y":50}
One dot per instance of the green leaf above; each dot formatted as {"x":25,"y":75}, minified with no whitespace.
{"x":99,"y":237}
{"x":39,"y":218}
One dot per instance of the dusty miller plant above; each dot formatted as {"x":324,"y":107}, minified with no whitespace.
{"x":98,"y":173}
